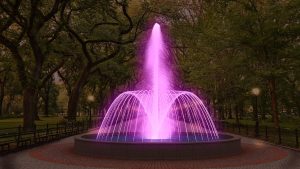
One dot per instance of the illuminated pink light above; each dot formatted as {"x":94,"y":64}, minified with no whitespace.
{"x":159,"y":112}
{"x":157,"y":128}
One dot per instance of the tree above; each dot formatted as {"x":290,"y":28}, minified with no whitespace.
{"x":239,"y":45}
{"x":100,"y":39}
{"x":29,"y":30}
{"x":49,"y":95}
{"x":4,"y":71}
{"x":265,"y":31}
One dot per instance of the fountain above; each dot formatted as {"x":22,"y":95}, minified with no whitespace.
{"x":157,"y":122}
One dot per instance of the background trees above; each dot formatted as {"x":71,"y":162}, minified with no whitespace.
{"x":240,"y":45}
{"x":40,"y":37}
{"x":99,"y":36}
{"x":28,"y":30}
{"x":223,"y":49}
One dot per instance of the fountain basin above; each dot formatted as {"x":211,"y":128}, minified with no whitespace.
{"x":226,"y":145}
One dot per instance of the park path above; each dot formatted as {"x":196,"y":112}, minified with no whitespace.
{"x":59,"y":155}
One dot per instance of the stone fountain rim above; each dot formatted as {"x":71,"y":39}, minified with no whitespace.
{"x":158,"y":150}
{"x":232,"y":138}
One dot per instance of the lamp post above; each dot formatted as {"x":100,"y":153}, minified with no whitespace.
{"x":90,"y":99}
{"x":255,"y":92}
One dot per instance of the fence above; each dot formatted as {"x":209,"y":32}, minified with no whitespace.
{"x":15,"y":139}
{"x":281,"y":136}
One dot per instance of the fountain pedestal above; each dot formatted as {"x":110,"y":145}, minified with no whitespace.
{"x":227,"y":145}
{"x":157,"y":122}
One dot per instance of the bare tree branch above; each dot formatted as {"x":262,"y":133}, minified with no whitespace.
{"x":53,"y":11}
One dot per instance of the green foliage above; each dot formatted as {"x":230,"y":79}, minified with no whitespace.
{"x":238,"y":45}
{"x":223,"y":48}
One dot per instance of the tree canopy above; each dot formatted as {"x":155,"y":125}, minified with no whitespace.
{"x":223,"y":49}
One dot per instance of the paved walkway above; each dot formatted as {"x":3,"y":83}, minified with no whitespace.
{"x":60,"y":155}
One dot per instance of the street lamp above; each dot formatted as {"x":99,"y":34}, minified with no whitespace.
{"x":255,"y":92}
{"x":90,"y":98}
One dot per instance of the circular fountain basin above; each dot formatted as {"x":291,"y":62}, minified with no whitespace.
{"x":226,"y":145}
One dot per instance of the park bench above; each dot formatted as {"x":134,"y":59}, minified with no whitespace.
{"x":16,"y":136}
{"x":41,"y":136}
{"x":8,"y":136}
{"x":53,"y":133}
{"x":24,"y":142}
{"x":5,"y":145}
{"x":60,"y":130}
{"x":24,"y":139}
{"x":69,"y":129}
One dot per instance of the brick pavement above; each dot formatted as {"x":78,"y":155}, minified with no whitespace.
{"x":60,"y":155}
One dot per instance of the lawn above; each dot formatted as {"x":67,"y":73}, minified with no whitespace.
{"x":15,"y":122}
{"x":287,"y":123}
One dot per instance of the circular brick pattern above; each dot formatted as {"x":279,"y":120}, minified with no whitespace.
{"x":252,"y":154}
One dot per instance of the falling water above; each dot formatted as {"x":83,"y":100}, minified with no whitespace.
{"x":158,"y":112}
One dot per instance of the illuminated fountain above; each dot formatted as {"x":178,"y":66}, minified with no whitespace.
{"x":157,"y":122}
{"x":158,"y":113}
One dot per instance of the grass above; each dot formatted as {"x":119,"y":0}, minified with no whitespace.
{"x":15,"y":122}
{"x":287,"y":123}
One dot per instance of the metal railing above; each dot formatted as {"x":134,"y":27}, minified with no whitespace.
{"x":281,"y":136}
{"x":16,"y":139}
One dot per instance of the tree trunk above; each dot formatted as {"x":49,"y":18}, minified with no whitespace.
{"x":263,"y":106}
{"x":230,"y":112}
{"x":2,"y":94}
{"x":46,"y":104}
{"x":274,"y":105}
{"x":8,"y":104}
{"x":46,"y":98}
{"x":74,"y":97}
{"x":237,"y":109}
{"x":221,"y":112}
{"x":36,"y":107}
{"x":36,"y":114}
{"x":29,"y":105}
{"x":241,"y":112}
{"x":72,"y":104}
{"x":295,"y":97}
{"x":298,"y":106}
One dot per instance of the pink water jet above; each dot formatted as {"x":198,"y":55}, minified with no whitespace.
{"x":158,"y":112}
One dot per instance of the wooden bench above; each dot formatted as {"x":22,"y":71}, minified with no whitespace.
{"x":24,"y":142}
{"x":24,"y":138}
{"x":41,"y":139}
{"x":5,"y":145}
{"x":7,"y":138}
{"x":40,"y":136}
{"x":53,"y":134}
